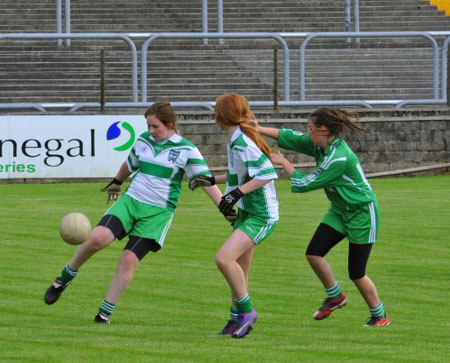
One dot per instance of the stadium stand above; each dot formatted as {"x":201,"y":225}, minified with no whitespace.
{"x":186,"y":70}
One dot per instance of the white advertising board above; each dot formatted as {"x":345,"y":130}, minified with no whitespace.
{"x":66,"y":146}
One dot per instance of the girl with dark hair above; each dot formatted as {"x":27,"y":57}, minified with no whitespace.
{"x":354,"y":209}
{"x":159,"y":159}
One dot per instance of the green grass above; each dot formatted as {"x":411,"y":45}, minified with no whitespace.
{"x":178,"y":300}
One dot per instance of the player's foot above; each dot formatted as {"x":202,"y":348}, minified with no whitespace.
{"x":378,"y":321}
{"x":229,"y":328}
{"x":245,"y":324}
{"x":102,"y":318}
{"x":54,"y":291}
{"x":328,"y":306}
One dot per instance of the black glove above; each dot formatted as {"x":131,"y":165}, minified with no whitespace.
{"x":113,"y":190}
{"x":231,"y":217}
{"x":229,"y":200}
{"x":201,"y":181}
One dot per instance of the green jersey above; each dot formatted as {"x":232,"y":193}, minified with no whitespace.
{"x":160,"y":167}
{"x":245,"y":162}
{"x":338,"y":171}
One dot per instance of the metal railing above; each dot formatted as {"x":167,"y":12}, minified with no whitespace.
{"x":67,"y":19}
{"x":59,"y":17}
{"x":444,"y":63}
{"x":275,"y":36}
{"x":425,"y":35}
{"x":348,"y":17}
{"x":279,"y":37}
{"x":134,"y":72}
{"x":219,"y":19}
{"x":205,"y":29}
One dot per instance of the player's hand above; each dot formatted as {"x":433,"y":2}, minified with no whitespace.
{"x":112,"y":190}
{"x":277,"y":158}
{"x":201,"y":181}
{"x":229,"y":200}
{"x":231,"y":217}
{"x":253,"y":121}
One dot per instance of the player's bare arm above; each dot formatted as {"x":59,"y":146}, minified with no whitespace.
{"x":279,"y":159}
{"x":267,"y":131}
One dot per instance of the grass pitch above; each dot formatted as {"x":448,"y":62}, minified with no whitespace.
{"x":178,"y":300}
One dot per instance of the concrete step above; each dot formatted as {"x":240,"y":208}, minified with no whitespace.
{"x":186,"y":70}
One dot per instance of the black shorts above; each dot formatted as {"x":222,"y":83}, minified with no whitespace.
{"x":138,"y":245}
{"x":325,"y":238}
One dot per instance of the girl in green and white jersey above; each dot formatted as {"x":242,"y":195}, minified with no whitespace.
{"x":249,"y":186}
{"x":353,"y":211}
{"x":159,"y":159}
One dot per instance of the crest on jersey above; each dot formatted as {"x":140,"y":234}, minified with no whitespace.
{"x":173,"y":155}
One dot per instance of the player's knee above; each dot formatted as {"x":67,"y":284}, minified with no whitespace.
{"x":356,"y":274}
{"x":357,"y":260}
{"x":313,"y":259}
{"x":99,"y":238}
{"x":128,"y":262}
{"x":221,"y":261}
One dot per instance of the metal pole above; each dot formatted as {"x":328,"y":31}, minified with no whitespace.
{"x":205,"y":20}
{"x":348,"y":18}
{"x":426,"y":35}
{"x":132,"y":46}
{"x":444,"y":60}
{"x":356,"y":17}
{"x":67,"y":19}
{"x":58,"y":21}
{"x":102,"y":80}
{"x":220,"y":19}
{"x":275,"y":78}
{"x":448,"y":76}
{"x":231,"y":35}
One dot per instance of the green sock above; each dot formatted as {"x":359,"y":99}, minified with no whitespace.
{"x":107,"y":307}
{"x":334,"y":292}
{"x":243,"y":305}
{"x":67,"y":274}
{"x":233,"y":314}
{"x":378,"y":311}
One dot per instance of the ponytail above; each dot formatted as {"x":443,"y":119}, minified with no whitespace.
{"x":336,"y":120}
{"x":233,"y":109}
{"x":250,"y":131}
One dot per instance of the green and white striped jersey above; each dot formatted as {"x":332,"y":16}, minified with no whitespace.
{"x":245,"y":162}
{"x":160,"y":167}
{"x":338,"y":170}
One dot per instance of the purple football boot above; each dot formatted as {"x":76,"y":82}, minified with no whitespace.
{"x":244,"y":324}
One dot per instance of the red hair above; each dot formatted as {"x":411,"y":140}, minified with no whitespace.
{"x":233,"y":109}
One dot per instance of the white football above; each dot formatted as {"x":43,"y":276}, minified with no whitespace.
{"x":75,"y":228}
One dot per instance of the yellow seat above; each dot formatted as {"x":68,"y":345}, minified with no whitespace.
{"x":442,"y":5}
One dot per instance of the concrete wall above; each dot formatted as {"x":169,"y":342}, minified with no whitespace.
{"x":393,"y":139}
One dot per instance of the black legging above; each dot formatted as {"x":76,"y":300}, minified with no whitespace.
{"x":325,"y":238}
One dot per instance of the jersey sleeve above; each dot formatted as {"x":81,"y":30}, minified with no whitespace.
{"x":196,"y":165}
{"x":132,"y":160}
{"x":296,"y":141}
{"x":323,"y":175}
{"x":258,"y":164}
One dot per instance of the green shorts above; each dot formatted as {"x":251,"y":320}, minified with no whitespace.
{"x":258,"y":229}
{"x":360,"y":225}
{"x":141,"y":219}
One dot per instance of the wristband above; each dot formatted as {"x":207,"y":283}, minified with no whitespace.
{"x":117,"y":181}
